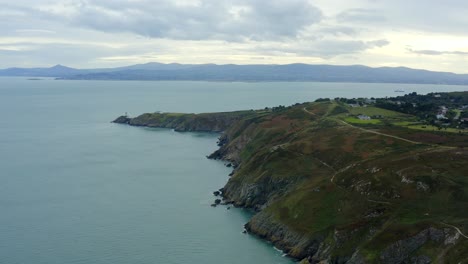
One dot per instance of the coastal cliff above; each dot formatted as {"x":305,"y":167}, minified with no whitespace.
{"x":331,"y":192}
{"x":211,"y":122}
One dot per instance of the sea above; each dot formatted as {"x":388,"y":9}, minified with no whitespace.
{"x":76,"y":188}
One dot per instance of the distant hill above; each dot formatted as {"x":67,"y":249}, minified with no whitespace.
{"x":232,"y":72}
{"x":55,"y":71}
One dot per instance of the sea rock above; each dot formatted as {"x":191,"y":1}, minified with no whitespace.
{"x":226,"y":202}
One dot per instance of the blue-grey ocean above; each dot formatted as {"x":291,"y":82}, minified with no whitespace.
{"x":75,"y":188}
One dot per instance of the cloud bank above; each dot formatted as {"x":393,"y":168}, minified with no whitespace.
{"x":101,"y":33}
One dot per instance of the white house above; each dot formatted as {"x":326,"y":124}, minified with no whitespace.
{"x":364,"y":117}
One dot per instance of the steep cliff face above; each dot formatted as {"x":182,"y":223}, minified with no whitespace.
{"x":295,"y":244}
{"x":329,"y":192}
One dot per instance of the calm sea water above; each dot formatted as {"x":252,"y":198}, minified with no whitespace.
{"x":75,"y":188}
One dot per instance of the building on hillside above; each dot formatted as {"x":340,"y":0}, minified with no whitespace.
{"x":364,"y":117}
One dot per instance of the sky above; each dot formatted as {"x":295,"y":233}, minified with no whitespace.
{"x":423,"y":34}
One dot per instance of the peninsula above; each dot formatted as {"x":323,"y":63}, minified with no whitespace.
{"x":363,"y":180}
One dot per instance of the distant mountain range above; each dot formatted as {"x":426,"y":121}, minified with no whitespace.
{"x":231,"y":72}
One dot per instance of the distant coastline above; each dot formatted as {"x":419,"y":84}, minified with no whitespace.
{"x":247,"y":73}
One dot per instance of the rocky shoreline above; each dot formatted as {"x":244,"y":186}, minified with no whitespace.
{"x":291,"y":243}
{"x":313,"y":249}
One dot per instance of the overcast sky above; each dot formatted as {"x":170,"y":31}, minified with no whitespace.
{"x":427,"y":34}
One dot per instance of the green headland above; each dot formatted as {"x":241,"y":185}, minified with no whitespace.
{"x":366,"y":180}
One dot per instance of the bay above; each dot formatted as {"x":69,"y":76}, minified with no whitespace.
{"x":75,"y":188}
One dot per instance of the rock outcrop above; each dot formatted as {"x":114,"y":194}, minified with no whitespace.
{"x":295,"y":244}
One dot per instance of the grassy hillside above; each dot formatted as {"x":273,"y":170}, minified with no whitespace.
{"x":329,"y":186}
{"x":319,"y":174}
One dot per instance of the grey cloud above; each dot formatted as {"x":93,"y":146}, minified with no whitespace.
{"x":338,"y":30}
{"x":378,"y":43}
{"x":51,"y":54}
{"x":215,"y":19}
{"x":333,"y":48}
{"x":35,"y":31}
{"x":447,"y":17}
{"x":437,"y":52}
{"x":23,"y":20}
{"x":324,"y":49}
{"x":360,"y":15}
{"x":255,"y":28}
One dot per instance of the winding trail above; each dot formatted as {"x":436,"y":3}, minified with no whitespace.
{"x":342,"y":170}
{"x":380,"y":202}
{"x":382,"y":134}
{"x":438,"y":148}
{"x":332,"y":179}
{"x":370,"y":131}
{"x":456,"y":228}
{"x":307,"y":111}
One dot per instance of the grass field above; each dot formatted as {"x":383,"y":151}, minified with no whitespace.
{"x":406,"y":123}
{"x":426,"y":127}
{"x":354,"y":120}
{"x":434,"y":128}
{"x":391,"y":118}
{"x":373,"y":111}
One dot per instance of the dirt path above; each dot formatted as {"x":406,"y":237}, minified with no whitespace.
{"x":380,"y":202}
{"x":342,"y":170}
{"x":371,"y":131}
{"x":382,"y":134}
{"x":307,"y":111}
{"x":456,"y":228}
{"x":396,"y":137}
